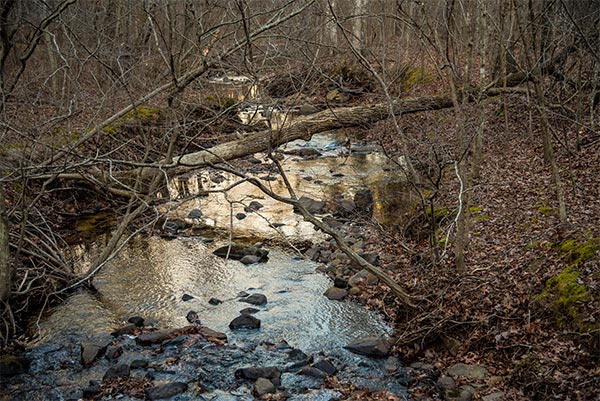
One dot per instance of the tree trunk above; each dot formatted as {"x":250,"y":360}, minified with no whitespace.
{"x":5,"y":270}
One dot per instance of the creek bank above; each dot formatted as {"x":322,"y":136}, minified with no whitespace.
{"x":191,"y":363}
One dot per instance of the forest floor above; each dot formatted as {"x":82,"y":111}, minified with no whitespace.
{"x":526,"y":306}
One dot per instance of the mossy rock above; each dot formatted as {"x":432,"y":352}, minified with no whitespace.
{"x":569,"y":300}
{"x":580,"y":251}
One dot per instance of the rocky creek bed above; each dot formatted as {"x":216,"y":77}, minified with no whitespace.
{"x":266,"y":325}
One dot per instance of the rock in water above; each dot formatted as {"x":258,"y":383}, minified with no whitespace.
{"x":370,"y":346}
{"x":335,"y":293}
{"x":244,"y":322}
{"x":263,"y":386}
{"x":121,"y":370}
{"x":250,"y":259}
{"x":90,"y":352}
{"x":193,"y":318}
{"x":255,"y":299}
{"x":238,"y":251}
{"x":166,"y":391}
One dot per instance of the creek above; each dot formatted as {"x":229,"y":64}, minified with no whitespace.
{"x":163,"y":279}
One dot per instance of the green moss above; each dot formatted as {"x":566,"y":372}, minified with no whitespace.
{"x":580,"y":251}
{"x":414,"y":76}
{"x":143,"y":113}
{"x":564,"y":295}
{"x":475,"y":209}
{"x":546,"y":211}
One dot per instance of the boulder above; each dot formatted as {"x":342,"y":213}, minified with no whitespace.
{"x":326,"y":366}
{"x":250,"y":259}
{"x":195,"y":214}
{"x":467,"y":370}
{"x":138,"y":364}
{"x":89,"y":352}
{"x":154,"y":337}
{"x":129,"y":329}
{"x":446,"y":383}
{"x":336,"y":294}
{"x":253,"y":373}
{"x":263,"y":386}
{"x":375,"y":347}
{"x":166,"y":391}
{"x":120,"y":370}
{"x":313,"y":206}
{"x":193,"y":318}
{"x":210,"y":333}
{"x":253,"y":206}
{"x":244,"y":322}
{"x":136,"y":321}
{"x":255,"y":299}
{"x":238,"y":251}
{"x":113,"y":352}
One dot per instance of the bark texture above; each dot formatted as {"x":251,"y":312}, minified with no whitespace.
{"x":5,"y":271}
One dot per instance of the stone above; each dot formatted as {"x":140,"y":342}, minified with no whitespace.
{"x":467,"y":370}
{"x":335,"y":293}
{"x":253,"y":206}
{"x":193,"y":318}
{"x":446,"y":383}
{"x":263,"y":386}
{"x":457,"y":394}
{"x":312,"y":372}
{"x":215,"y":301}
{"x":253,"y":373}
{"x":362,"y":277}
{"x":89,"y":353}
{"x":92,"y":390}
{"x":129,"y":329}
{"x":120,"y":370}
{"x":210,"y":333}
{"x":371,"y":257}
{"x":195,"y":214}
{"x":187,"y":297}
{"x":244,"y":322}
{"x":137,"y":321}
{"x":255,"y":299}
{"x":354,"y":291}
{"x":311,"y":205}
{"x":496,"y":396}
{"x":113,"y":352}
{"x":250,"y":259}
{"x":238,"y":251}
{"x":138,"y":364}
{"x":154,"y":337}
{"x":326,"y":366}
{"x":375,"y":347}
{"x":340,"y":282}
{"x":249,"y":311}
{"x":166,"y":391}
{"x":12,"y":365}
{"x":240,"y":216}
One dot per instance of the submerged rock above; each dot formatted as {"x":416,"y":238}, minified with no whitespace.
{"x":238,"y":251}
{"x":244,"y":322}
{"x":193,"y":318}
{"x":187,"y":297}
{"x":215,"y":301}
{"x":263,"y":386}
{"x":250,"y":259}
{"x":249,"y":311}
{"x":370,"y":346}
{"x":195,"y":214}
{"x":311,"y":205}
{"x":136,"y":321}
